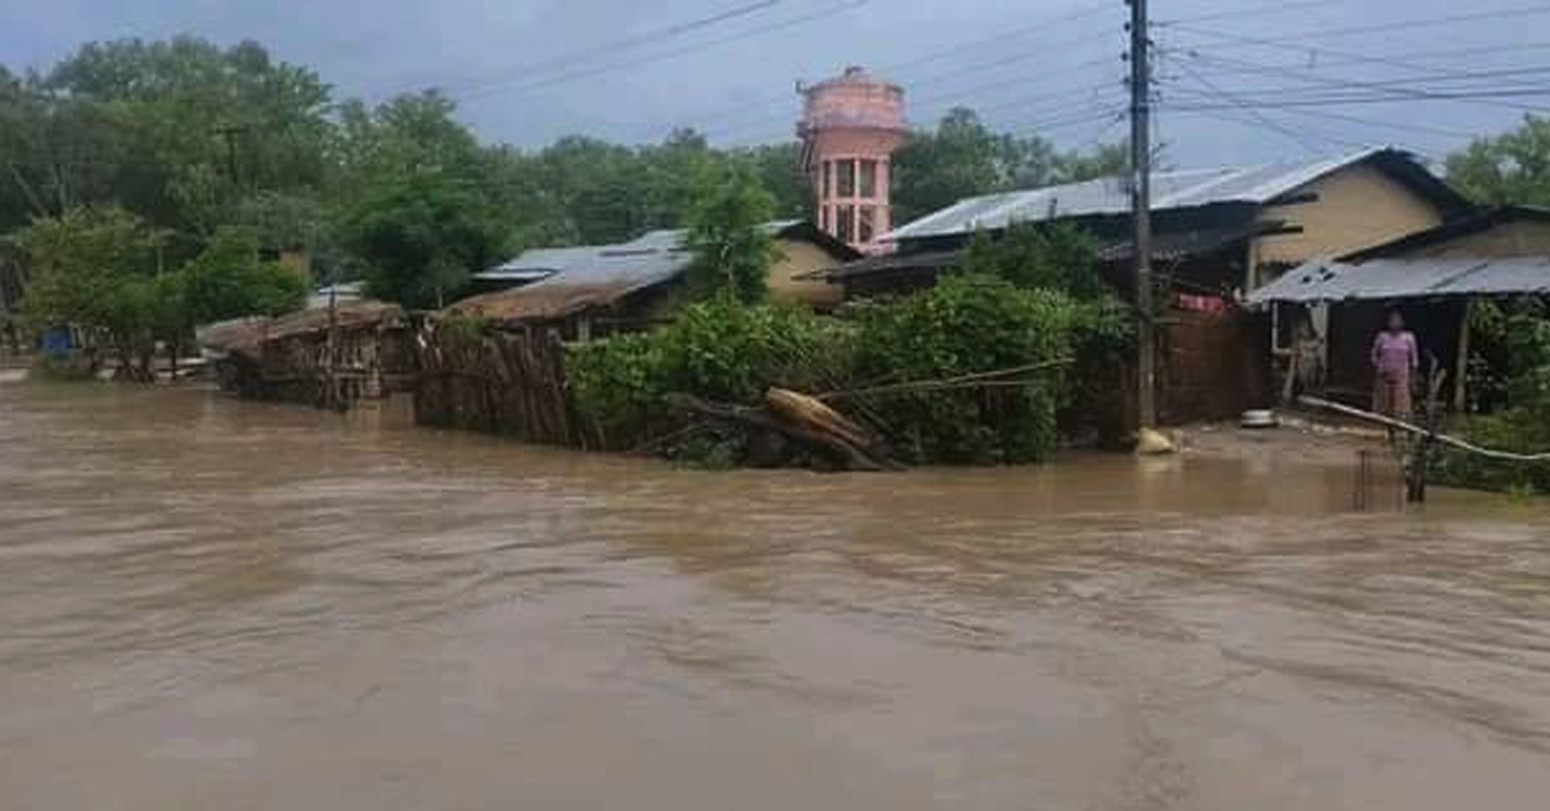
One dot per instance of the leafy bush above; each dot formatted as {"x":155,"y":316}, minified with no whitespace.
{"x":1050,"y":257}
{"x":965,"y":325}
{"x":732,"y":250}
{"x":1510,"y":375}
{"x":1521,"y":430}
{"x":717,"y":350}
{"x":724,"y":351}
{"x":619,"y":381}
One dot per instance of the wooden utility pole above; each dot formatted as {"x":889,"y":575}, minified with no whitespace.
{"x":1141,"y":209}
{"x":331,"y":398}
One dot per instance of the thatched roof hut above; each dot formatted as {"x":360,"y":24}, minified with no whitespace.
{"x":248,"y":335}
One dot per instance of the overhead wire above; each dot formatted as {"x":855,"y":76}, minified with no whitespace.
{"x":1235,"y":100}
{"x":757,"y":103}
{"x":1385,"y":28}
{"x":606,"y":49}
{"x":486,"y":89}
{"x":1389,"y":124}
{"x":1000,"y":62}
{"x":1404,"y":88}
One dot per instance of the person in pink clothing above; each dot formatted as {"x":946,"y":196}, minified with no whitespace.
{"x":1395,"y":358}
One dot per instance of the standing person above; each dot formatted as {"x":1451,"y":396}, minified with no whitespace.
{"x":1395,"y":358}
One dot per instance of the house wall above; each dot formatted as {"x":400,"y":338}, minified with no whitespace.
{"x":800,"y":257}
{"x":1357,"y":207}
{"x":1508,"y":239}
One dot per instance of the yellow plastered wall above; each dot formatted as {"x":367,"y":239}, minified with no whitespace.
{"x":797,"y":258}
{"x":1357,"y":207}
{"x":1505,"y":240}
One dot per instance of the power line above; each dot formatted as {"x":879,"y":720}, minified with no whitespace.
{"x":1090,"y":91}
{"x":1326,"y":57}
{"x":1242,"y":66}
{"x":611,"y":48}
{"x":486,"y":89}
{"x":1389,"y":98}
{"x":1232,"y":99}
{"x":1398,"y":126}
{"x":732,"y":113}
{"x":784,"y":115}
{"x":1400,"y":87}
{"x":1227,"y":115}
{"x":1387,"y":28}
{"x":1255,"y":11}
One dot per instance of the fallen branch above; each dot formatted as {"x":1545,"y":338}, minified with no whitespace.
{"x":1401,"y":425}
{"x":856,"y":458}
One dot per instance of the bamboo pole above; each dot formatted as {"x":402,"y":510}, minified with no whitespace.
{"x":926,"y":385}
{"x":1401,"y":425}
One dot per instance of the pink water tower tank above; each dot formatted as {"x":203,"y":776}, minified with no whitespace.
{"x":850,"y":127}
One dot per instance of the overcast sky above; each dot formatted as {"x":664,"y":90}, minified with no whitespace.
{"x":528,"y":71}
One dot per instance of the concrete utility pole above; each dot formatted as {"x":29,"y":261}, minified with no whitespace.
{"x":1141,"y":209}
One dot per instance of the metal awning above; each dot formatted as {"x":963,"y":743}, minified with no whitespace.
{"x":1389,"y":279}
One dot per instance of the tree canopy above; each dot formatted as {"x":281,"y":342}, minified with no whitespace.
{"x":1508,"y":169}
{"x":732,"y":249}
{"x":961,"y":158}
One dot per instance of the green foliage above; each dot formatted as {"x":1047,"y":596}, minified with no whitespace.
{"x":1509,"y":341}
{"x":228,"y":280}
{"x":717,"y":350}
{"x":620,"y":381}
{"x":1059,"y":257}
{"x":462,"y":331}
{"x":732,"y":250}
{"x":720,"y":350}
{"x":421,"y":236}
{"x":146,"y":123}
{"x":961,"y":158}
{"x":1510,"y":376}
{"x":1523,"y":430}
{"x":96,"y":271}
{"x":967,"y":325}
{"x":78,"y":260}
{"x":1508,"y":169}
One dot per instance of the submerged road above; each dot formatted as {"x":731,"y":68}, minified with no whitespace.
{"x":224,"y":605}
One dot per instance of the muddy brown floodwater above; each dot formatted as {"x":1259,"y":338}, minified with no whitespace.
{"x":207,"y":604}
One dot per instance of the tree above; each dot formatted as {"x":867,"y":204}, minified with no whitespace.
{"x":780,"y":172}
{"x":174,"y":131}
{"x":1058,"y":257}
{"x":228,"y":280}
{"x":1509,"y":169}
{"x":962,"y":158}
{"x":96,"y":270}
{"x":935,"y":169}
{"x":78,"y":260}
{"x":420,"y":236}
{"x":733,"y":250}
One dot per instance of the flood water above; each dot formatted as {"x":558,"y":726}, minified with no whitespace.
{"x":207,"y":604}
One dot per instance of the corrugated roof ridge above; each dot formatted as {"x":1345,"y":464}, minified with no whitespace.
{"x":1298,"y":175}
{"x":1218,"y":176}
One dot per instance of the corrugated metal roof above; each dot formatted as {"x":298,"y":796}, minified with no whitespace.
{"x":1387,"y":279}
{"x":1111,"y":195}
{"x":609,"y":274}
{"x":537,"y":263}
{"x":573,"y":279}
{"x":541,"y":263}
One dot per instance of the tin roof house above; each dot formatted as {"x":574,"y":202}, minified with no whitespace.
{"x":1216,"y":230}
{"x":638,"y":282}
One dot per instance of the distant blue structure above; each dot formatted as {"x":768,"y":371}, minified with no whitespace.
{"x":58,"y":340}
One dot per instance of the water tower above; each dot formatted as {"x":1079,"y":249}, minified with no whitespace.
{"x":850,"y":126}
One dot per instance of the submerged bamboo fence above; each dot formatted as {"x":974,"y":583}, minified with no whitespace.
{"x":508,"y":382}
{"x":293,"y":359}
